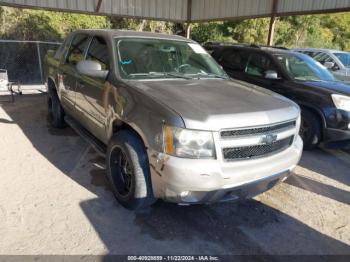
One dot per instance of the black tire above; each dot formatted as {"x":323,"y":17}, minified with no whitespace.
{"x":128,"y":171}
{"x":310,"y":129}
{"x":56,"y":112}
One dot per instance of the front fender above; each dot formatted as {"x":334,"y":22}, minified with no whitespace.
{"x":125,"y":105}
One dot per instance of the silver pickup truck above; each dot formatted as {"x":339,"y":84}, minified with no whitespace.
{"x":170,"y":122}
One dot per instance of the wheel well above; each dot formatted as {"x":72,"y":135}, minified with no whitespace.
{"x":119,"y":125}
{"x":318,"y":115}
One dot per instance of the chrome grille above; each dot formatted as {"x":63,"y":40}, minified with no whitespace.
{"x":256,"y":151}
{"x":258,"y":130}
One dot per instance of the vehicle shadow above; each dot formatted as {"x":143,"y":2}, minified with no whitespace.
{"x":248,"y":228}
{"x":326,"y":165}
{"x":29,"y":112}
{"x":319,"y":188}
{"x":320,"y":162}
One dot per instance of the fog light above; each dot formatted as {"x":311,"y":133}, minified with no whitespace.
{"x":192,"y":197}
{"x":349,"y":126}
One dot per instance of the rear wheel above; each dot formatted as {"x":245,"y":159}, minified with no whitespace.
{"x":310,"y":129}
{"x":128,"y":171}
{"x":55,"y":110}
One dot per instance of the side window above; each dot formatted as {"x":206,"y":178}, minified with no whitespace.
{"x":234,"y":60}
{"x":258,"y":65}
{"x":322,"y":58}
{"x":76,"y":50}
{"x":63,"y":48}
{"x":98,"y":51}
{"x":309,"y":53}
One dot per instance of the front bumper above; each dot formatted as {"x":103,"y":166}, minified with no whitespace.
{"x":189,"y":181}
{"x":336,"y":137}
{"x":337,"y":132}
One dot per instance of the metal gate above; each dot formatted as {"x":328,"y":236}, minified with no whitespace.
{"x":23,"y":60}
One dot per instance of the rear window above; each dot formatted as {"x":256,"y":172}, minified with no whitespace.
{"x":234,"y":60}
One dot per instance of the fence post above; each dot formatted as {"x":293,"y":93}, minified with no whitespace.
{"x":40,"y":62}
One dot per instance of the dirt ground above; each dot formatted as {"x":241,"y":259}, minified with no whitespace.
{"x":54,"y":199}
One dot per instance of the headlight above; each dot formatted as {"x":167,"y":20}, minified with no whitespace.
{"x":297,"y":126}
{"x":341,"y":102}
{"x":188,"y":143}
{"x":298,"y":122}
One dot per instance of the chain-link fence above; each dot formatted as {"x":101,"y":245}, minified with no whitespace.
{"x":23,"y":60}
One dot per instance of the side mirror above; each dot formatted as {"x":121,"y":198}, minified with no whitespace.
{"x":92,"y":69}
{"x":329,"y":65}
{"x":271,"y":74}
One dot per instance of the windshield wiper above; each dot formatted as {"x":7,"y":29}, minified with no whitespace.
{"x":169,"y":74}
{"x":218,"y":76}
{"x":210,"y":75}
{"x":139,"y":74}
{"x":178,"y":76}
{"x":161,"y":74}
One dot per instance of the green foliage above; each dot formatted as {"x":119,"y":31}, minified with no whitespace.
{"x":208,"y":31}
{"x":44,"y":25}
{"x":141,"y":25}
{"x":327,"y":31}
{"x":339,"y":27}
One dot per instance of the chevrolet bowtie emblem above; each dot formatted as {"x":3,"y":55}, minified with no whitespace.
{"x":268,"y":139}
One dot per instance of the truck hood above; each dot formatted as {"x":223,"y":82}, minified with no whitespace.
{"x":335,"y":86}
{"x":215,"y":104}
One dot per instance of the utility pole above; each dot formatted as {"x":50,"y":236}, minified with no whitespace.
{"x":189,"y":18}
{"x":98,"y":6}
{"x":272,"y":22}
{"x":188,"y":30}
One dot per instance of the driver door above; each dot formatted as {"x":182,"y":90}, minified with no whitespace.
{"x":90,"y":90}
{"x":68,"y":73}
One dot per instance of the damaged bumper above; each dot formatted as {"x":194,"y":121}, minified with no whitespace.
{"x":189,"y":181}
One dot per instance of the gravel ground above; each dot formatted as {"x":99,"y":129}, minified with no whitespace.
{"x":54,"y":199}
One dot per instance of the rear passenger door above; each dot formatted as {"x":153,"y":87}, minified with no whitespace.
{"x":89,"y":99}
{"x":68,"y":73}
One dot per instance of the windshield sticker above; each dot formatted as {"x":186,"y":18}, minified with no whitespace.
{"x":126,"y":62}
{"x":197,"y":49}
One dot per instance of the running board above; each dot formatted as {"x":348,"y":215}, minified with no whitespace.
{"x":87,"y":136}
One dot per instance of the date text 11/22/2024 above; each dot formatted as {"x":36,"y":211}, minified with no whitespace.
{"x":173,"y":258}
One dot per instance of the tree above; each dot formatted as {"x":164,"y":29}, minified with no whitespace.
{"x":22,"y":24}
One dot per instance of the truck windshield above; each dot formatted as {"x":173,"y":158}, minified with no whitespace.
{"x":344,"y":58}
{"x":304,"y":68}
{"x":142,"y":58}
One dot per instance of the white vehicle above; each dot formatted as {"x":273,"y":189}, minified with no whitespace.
{"x":338,"y":62}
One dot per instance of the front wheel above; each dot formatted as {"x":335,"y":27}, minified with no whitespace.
{"x":128,"y":170}
{"x":310,"y":129}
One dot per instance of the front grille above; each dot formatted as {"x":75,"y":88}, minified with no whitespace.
{"x":258,"y":130}
{"x":250,"y":152}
